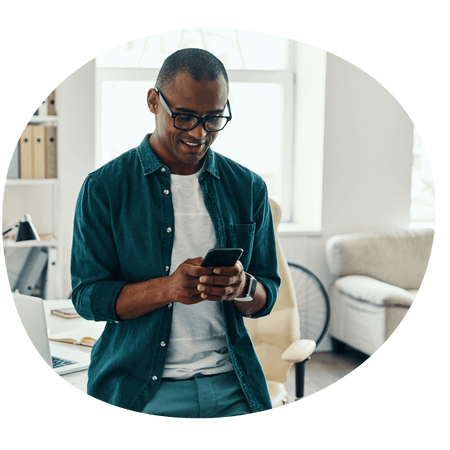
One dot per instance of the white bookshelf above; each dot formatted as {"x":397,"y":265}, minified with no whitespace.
{"x":11,"y":243}
{"x":40,"y":199}
{"x":32,"y":182}
{"x":44,"y":120}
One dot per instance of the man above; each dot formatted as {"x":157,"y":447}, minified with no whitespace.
{"x":175,"y":343}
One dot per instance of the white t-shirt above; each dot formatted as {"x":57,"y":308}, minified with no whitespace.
{"x":197,"y":338}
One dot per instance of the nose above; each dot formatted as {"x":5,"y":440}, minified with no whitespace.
{"x":198,"y":132}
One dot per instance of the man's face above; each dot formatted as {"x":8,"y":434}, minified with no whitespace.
{"x":181,"y":150}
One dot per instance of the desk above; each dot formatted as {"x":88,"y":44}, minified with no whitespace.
{"x":56,"y":324}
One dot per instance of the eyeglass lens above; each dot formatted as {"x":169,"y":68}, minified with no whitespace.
{"x":186,"y":122}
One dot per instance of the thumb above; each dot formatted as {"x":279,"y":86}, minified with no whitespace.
{"x":194,"y":261}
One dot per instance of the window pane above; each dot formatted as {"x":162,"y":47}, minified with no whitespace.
{"x":422,"y":186}
{"x":125,"y":117}
{"x":237,"y":49}
{"x":254,"y":137}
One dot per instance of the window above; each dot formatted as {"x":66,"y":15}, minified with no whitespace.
{"x":266,"y":82}
{"x":422,"y":187}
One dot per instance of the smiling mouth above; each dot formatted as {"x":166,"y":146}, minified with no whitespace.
{"x":193,"y":144}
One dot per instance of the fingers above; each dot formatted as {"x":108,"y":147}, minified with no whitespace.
{"x":235,"y":270}
{"x":194,"y":261}
{"x":216,"y":292}
{"x":223,"y":284}
{"x":192,"y":268}
{"x":219,"y":280}
{"x":209,"y":283}
{"x":223,"y":276}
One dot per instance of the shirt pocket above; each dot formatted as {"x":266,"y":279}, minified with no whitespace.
{"x":242,"y":235}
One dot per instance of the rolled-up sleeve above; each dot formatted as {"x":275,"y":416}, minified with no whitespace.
{"x":95,"y":268}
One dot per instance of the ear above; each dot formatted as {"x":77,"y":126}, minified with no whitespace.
{"x":152,"y":100}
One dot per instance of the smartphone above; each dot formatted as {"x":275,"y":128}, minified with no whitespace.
{"x":222,"y":257}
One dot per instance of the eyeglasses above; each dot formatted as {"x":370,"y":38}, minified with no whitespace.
{"x":188,"y":122}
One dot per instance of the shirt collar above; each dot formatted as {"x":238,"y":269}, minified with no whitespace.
{"x":150,"y":162}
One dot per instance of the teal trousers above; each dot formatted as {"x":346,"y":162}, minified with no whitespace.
{"x":199,"y":397}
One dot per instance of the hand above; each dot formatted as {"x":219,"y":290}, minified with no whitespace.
{"x":184,"y":281}
{"x":225,"y":283}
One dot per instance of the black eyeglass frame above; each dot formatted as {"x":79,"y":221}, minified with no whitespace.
{"x":201,"y":120}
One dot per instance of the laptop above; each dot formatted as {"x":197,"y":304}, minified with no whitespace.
{"x":62,"y":360}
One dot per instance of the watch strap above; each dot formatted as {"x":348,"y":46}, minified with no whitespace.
{"x":250,"y":295}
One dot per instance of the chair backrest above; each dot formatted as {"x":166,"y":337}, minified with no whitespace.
{"x":397,"y":256}
{"x":272,"y":335}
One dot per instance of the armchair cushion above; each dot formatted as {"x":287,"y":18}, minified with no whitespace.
{"x":376,"y":292}
{"x":267,"y":329}
{"x":396,"y":256}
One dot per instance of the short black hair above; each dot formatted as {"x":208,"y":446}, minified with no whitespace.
{"x":197,"y":63}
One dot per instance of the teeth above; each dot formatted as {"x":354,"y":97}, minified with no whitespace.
{"x":191,"y":144}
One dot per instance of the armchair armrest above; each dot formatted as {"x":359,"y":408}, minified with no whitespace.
{"x":373,"y":291}
{"x":299,"y":351}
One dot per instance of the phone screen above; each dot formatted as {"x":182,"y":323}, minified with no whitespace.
{"x":222,"y":257}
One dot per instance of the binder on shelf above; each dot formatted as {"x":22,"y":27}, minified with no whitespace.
{"x":38,"y":152}
{"x":47,"y":106}
{"x":50,"y":152}
{"x":51,"y":104}
{"x":26,"y":153}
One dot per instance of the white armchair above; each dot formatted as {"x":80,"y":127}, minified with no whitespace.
{"x":377,"y":275}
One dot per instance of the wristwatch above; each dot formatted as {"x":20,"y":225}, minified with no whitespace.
{"x":252,"y":282}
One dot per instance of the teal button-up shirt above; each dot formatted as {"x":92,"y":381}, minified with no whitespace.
{"x":123,"y":233}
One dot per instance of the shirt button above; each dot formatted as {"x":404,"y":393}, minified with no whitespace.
{"x":154,"y":377}
{"x":163,"y":169}
{"x":169,"y":305}
{"x":163,"y":344}
{"x":166,"y":191}
{"x":169,"y":230}
{"x":166,"y":268}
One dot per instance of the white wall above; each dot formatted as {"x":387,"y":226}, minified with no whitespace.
{"x":76,"y":150}
{"x":368,"y":153}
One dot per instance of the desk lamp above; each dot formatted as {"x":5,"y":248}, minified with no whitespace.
{"x":26,"y":231}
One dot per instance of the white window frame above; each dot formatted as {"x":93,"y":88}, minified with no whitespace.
{"x":304,"y":112}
